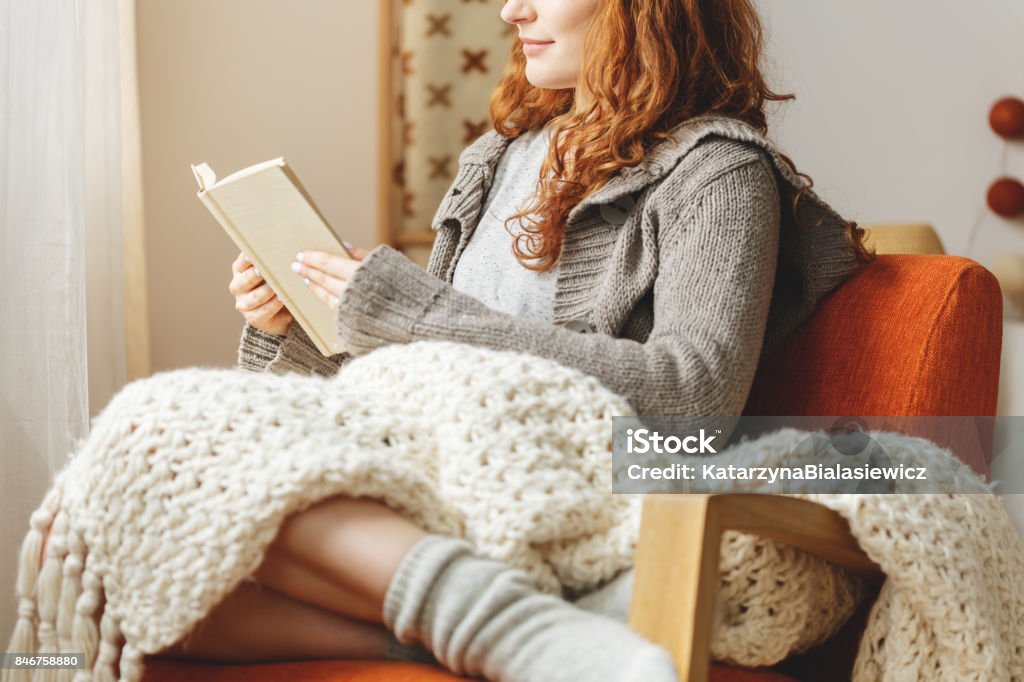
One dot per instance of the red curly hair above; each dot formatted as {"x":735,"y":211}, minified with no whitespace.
{"x":649,"y":65}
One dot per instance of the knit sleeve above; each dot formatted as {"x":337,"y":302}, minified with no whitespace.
{"x":261,"y":351}
{"x":717,"y":260}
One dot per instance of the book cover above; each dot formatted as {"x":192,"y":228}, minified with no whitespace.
{"x":271,"y":217}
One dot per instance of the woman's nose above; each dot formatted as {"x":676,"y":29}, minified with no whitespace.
{"x":517,"y":11}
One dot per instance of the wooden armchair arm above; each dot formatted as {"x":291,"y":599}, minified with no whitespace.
{"x":675,"y":572}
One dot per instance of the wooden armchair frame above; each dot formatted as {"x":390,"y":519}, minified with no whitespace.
{"x":676,"y":564}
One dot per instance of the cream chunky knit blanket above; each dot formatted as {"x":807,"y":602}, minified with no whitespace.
{"x":183,"y":482}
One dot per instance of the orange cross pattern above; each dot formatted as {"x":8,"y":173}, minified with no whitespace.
{"x":439,"y":94}
{"x":473,"y":130}
{"x":474,"y":60}
{"x":407,"y":209}
{"x":438,"y":24}
{"x":439,"y":166}
{"x":427,"y":96}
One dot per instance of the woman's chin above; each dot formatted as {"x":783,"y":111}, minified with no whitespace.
{"x":546,"y":81}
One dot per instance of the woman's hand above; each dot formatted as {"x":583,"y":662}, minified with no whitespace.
{"x":327,"y":274}
{"x":254,"y":298}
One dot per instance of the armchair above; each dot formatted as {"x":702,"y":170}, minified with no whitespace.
{"x":908,"y":335}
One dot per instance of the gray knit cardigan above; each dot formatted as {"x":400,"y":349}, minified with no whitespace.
{"x":686,"y":270}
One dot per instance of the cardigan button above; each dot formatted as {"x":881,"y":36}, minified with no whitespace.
{"x":581,"y":326}
{"x":618,"y":211}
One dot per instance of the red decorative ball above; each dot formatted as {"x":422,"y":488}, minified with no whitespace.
{"x":1007,"y":117}
{"x":1006,"y":197}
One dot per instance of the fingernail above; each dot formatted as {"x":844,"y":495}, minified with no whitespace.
{"x":257,"y":270}
{"x":347,"y":245}
{"x":246,"y":259}
{"x":298,"y":256}
{"x":296,"y":267}
{"x":305,"y":281}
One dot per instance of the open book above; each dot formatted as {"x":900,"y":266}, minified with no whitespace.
{"x":271,"y":217}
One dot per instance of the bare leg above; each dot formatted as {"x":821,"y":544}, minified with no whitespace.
{"x":327,"y":570}
{"x":255,"y":624}
{"x":309,"y":587}
{"x":355,"y":544}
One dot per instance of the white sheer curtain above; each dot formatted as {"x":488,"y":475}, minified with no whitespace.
{"x":61,"y":273}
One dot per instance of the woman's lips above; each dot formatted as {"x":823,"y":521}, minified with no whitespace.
{"x":532,"y":47}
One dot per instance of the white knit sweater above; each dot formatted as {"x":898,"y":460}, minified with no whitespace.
{"x":186,"y":476}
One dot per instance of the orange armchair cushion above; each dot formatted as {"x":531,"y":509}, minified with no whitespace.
{"x":916,"y":335}
{"x":168,"y":670}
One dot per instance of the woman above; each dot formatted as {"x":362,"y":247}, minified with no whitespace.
{"x":627,"y":192}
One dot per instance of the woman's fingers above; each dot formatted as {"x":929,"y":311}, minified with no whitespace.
{"x":245,"y":278}
{"x":244,"y":264}
{"x":271,"y":313}
{"x":272,"y":308}
{"x":282,"y":311}
{"x":325,"y":274}
{"x":312,"y":276}
{"x":338,"y":267}
{"x":327,"y":296}
{"x":255,"y":298}
{"x":237,"y":286}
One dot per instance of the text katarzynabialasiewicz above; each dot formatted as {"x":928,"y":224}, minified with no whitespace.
{"x":803,"y":472}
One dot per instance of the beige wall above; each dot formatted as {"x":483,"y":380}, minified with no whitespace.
{"x":232,"y":83}
{"x":891,"y":116}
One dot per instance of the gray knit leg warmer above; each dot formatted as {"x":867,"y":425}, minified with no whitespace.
{"x":482,"y":618}
{"x":407,"y":653}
